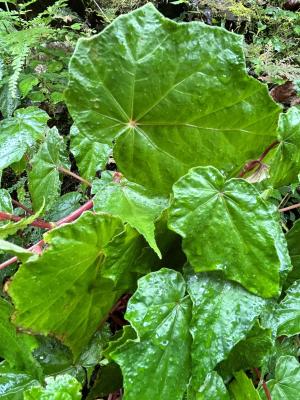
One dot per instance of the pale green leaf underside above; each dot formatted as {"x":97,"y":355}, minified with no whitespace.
{"x":175,"y":95}
{"x":152,"y":365}
{"x":133,"y":204}
{"x":19,"y":133}
{"x":71,"y":294}
{"x":44,"y":182}
{"x":242,"y":388}
{"x":286,"y":385}
{"x":226,"y":226}
{"x":90,"y":155}
{"x":61,"y":387}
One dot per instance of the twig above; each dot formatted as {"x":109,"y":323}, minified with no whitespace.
{"x":289,"y":207}
{"x":264,"y":385}
{"x":20,"y":205}
{"x":252,"y":164}
{"x":38,"y":223}
{"x":70,"y":173}
{"x":70,"y":218}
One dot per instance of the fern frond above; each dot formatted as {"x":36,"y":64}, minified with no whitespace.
{"x":17,"y":65}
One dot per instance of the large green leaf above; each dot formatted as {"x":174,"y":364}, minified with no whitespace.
{"x":223,"y":313}
{"x":132,"y":203}
{"x":19,"y":133}
{"x":90,"y":155}
{"x":16,"y":348}
{"x":69,"y":278}
{"x":285,"y":163}
{"x":157,"y":364}
{"x":174,"y":95}
{"x":61,"y":387}
{"x":226,"y":226}
{"x":287,"y":314}
{"x":286,"y":385}
{"x":44,"y":182}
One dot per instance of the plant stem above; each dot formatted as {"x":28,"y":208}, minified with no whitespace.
{"x":20,"y":205}
{"x":70,"y":173}
{"x":70,"y":218}
{"x":251,"y":164}
{"x":264,"y":385}
{"x":289,"y":207}
{"x":38,"y":223}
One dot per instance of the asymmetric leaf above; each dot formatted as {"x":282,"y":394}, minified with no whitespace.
{"x":132,"y":203}
{"x":288,"y":312}
{"x":226,"y":226}
{"x":286,"y":385}
{"x":285,"y":163}
{"x":90,"y":155}
{"x":223,"y":314}
{"x":19,"y":133}
{"x":157,"y":364}
{"x":16,"y":348}
{"x":5,"y":201}
{"x":44,"y":182}
{"x":68,"y":294}
{"x":173,"y":95}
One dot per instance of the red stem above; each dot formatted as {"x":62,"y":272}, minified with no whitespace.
{"x":20,"y":205}
{"x":251,"y":164}
{"x":70,"y":173}
{"x":70,"y":218}
{"x":38,"y":223}
{"x":289,"y":207}
{"x":264,"y":385}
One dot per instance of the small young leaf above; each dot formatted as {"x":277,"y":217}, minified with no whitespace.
{"x":90,"y":155}
{"x":222,"y":224}
{"x":19,"y":133}
{"x":44,"y":182}
{"x":5,"y":201}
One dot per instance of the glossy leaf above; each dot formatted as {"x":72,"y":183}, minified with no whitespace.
{"x":223,"y":314}
{"x":286,"y":385}
{"x":293,"y":240}
{"x":13,"y":383}
{"x":90,"y":155}
{"x":285,"y":163}
{"x":174,"y":95}
{"x":5,"y":201}
{"x":16,"y":348}
{"x":242,"y":388}
{"x":288,"y":312}
{"x":64,"y":206}
{"x":61,"y":280}
{"x":44,"y":181}
{"x":250,"y":352}
{"x":133,"y":204}
{"x":19,"y":133}
{"x":213,"y":388}
{"x":226,"y":226}
{"x":152,"y":365}
{"x":57,"y":388}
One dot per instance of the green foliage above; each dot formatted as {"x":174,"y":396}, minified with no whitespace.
{"x":169,"y":276}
